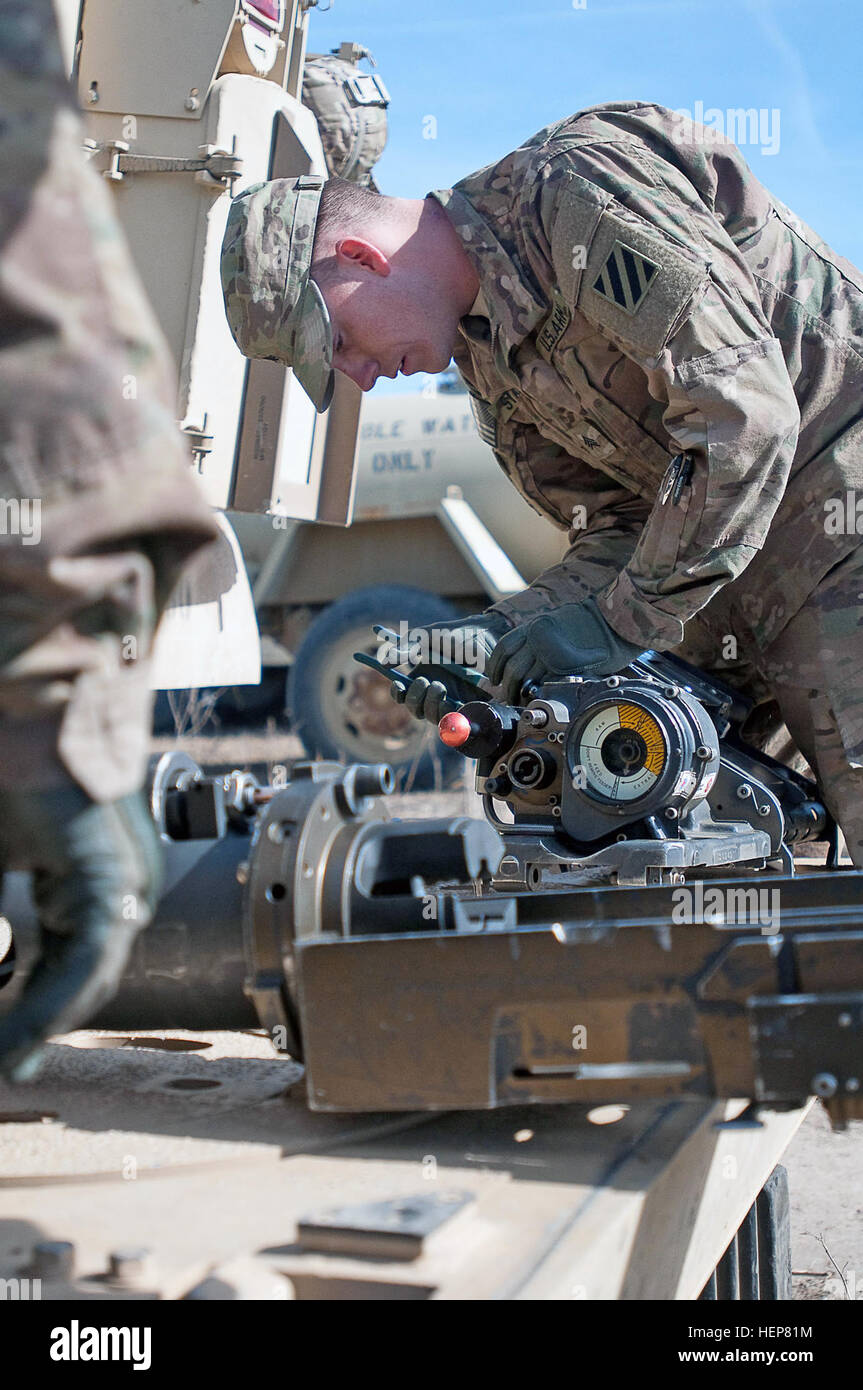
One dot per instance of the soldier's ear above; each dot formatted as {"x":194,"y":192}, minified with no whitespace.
{"x":356,"y":252}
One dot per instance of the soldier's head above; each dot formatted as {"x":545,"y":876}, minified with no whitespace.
{"x":328,"y":274}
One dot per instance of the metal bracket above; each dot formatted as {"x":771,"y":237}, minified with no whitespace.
{"x":216,"y":169}
{"x":789,"y":1030}
{"x":200,"y":441}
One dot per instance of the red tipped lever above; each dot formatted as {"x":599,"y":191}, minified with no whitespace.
{"x":455,"y":730}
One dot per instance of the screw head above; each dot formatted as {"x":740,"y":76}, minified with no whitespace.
{"x":824,"y":1085}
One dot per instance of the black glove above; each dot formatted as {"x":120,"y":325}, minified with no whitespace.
{"x":96,"y":877}
{"x":574,"y":640}
{"x":435,"y":690}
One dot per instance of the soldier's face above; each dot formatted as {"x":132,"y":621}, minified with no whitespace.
{"x":387,"y":319}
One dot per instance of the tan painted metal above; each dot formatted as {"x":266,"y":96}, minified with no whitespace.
{"x":209,"y":1155}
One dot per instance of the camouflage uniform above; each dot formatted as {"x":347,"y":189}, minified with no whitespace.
{"x":669,"y":364}
{"x":87,"y":436}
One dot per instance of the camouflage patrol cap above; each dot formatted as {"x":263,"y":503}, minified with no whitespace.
{"x":274,"y":308}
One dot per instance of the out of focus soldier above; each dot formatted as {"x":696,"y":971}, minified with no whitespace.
{"x":98,"y":513}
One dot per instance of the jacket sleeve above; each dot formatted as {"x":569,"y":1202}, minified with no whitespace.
{"x":657,"y":274}
{"x":604,"y":520}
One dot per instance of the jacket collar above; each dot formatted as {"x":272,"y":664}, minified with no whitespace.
{"x":514,"y":311}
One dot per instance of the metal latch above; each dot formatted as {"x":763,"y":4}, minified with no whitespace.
{"x":201,"y":442}
{"x":215,"y":168}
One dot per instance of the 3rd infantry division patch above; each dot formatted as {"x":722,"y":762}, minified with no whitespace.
{"x":625,"y":278}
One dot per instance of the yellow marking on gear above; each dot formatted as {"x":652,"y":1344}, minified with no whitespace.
{"x":631,"y":717}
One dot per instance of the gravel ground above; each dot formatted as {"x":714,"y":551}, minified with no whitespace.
{"x":825,"y":1170}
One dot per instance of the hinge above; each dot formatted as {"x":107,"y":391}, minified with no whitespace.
{"x":215,"y":168}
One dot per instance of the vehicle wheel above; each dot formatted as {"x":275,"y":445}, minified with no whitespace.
{"x":757,"y":1263}
{"x":344,"y":711}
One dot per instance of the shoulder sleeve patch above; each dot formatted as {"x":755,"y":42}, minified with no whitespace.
{"x":637,"y":284}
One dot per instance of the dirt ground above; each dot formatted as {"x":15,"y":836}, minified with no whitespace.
{"x":825,"y":1170}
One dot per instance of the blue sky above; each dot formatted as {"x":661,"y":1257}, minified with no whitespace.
{"x":492,"y":72}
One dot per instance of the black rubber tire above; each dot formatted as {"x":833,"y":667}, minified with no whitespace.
{"x":757,"y":1264}
{"x":322,"y":669}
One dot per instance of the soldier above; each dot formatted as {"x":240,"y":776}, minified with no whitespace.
{"x":98,"y":511}
{"x":667,"y":363}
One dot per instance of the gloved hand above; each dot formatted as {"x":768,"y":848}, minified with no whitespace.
{"x":574,"y":640}
{"x":467,"y":642}
{"x":96,"y":877}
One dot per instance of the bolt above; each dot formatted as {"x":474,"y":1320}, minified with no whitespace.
{"x":612,"y":682}
{"x":744,"y":791}
{"x":671,"y":813}
{"x":555,"y":811}
{"x":763,"y":810}
{"x":671,"y":691}
{"x":128,"y":1266}
{"x":824,"y":1085}
{"x":501,"y":767}
{"x":53,"y":1259}
{"x":191,"y":103}
{"x":703,"y":752}
{"x":537,"y":718}
{"x":553,"y":800}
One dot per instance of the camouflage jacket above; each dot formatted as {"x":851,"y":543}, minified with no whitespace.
{"x":668,"y":363}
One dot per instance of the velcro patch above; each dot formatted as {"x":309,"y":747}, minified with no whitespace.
{"x":625,"y":278}
{"x":638,"y":284}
